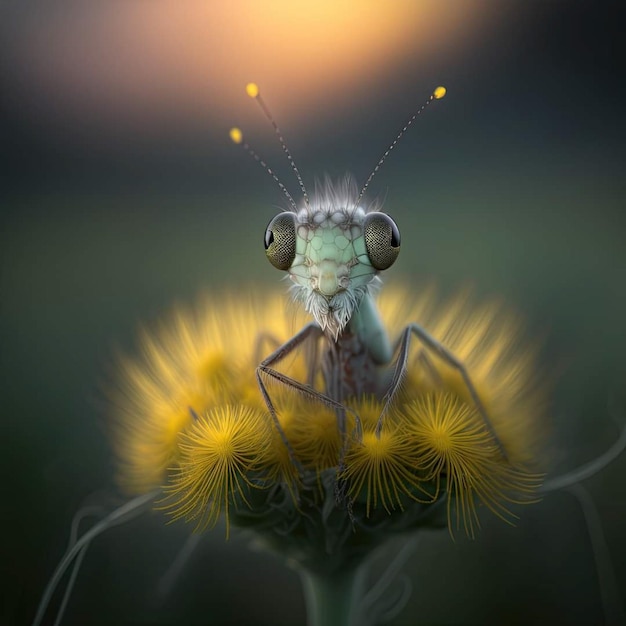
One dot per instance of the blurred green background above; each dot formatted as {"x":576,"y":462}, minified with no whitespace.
{"x":122,"y":195}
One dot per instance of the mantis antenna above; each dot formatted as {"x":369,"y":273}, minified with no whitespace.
{"x":236,"y":136}
{"x":252,"y":89}
{"x":439,"y":93}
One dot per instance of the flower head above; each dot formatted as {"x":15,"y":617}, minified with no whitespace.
{"x":381,"y":466}
{"x":350,"y":468}
{"x":458,"y":454}
{"x":197,"y":362}
{"x":316,"y":435}
{"x":487,"y":339}
{"x":219,"y":454}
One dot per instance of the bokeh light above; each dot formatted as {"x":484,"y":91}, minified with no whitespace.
{"x":136,"y":66}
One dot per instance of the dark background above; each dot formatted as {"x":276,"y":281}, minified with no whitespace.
{"x":513,"y":183}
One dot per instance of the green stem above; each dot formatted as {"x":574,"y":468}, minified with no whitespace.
{"x":332,"y":598}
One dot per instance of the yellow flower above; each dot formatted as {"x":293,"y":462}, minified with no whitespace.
{"x":280,"y":466}
{"x":454,"y":448}
{"x":218,"y":455}
{"x":190,"y":365}
{"x":487,"y":339}
{"x":381,"y":466}
{"x":315,"y":434}
{"x":432,"y":441}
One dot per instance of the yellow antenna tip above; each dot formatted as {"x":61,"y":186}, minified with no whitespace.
{"x":236,"y":135}
{"x":439,"y":93}
{"x":252,"y":89}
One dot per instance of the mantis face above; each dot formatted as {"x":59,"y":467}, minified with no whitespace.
{"x":333,"y":252}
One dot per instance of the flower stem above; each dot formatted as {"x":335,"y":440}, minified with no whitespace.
{"x":332,"y":598}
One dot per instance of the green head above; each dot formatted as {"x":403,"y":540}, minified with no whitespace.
{"x":333,"y":251}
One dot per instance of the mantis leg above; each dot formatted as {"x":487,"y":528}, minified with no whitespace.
{"x":311,"y":355}
{"x":267,"y":368}
{"x":429,"y":342}
{"x":429,"y":366}
{"x":264,"y":339}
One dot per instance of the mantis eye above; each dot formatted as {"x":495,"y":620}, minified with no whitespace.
{"x":382,"y":240}
{"x":280,"y":240}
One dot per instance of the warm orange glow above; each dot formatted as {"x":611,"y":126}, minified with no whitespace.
{"x":141,"y":63}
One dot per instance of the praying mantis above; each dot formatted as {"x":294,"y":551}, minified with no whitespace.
{"x":334,"y":249}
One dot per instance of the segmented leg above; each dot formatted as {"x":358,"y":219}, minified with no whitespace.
{"x":310,"y":331}
{"x":311,"y":354}
{"x":445,"y":355}
{"x":422,"y":357}
{"x":264,"y":339}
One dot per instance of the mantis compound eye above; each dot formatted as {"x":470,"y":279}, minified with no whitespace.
{"x":280,"y":240}
{"x":382,"y":240}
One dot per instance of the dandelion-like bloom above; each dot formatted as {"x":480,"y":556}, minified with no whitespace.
{"x":326,"y":486}
{"x":219,"y":454}
{"x":488,"y":340}
{"x":454,"y":448}
{"x":323,"y":484}
{"x":315,"y":435}
{"x":431,"y":443}
{"x":381,"y":466}
{"x":197,"y":362}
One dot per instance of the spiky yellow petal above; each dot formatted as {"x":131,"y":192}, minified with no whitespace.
{"x":280,"y":466}
{"x":219,"y":452}
{"x":487,"y":340}
{"x":315,"y":434}
{"x":380,"y":466}
{"x":189,"y":365}
{"x":455,"y":449}
{"x":199,"y":364}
